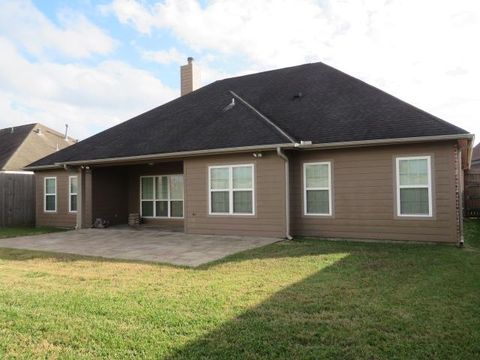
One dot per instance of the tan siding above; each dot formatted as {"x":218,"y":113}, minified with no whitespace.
{"x":61,"y":217}
{"x":364,"y":195}
{"x":269,"y":218}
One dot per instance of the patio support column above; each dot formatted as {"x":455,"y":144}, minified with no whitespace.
{"x":80,"y":198}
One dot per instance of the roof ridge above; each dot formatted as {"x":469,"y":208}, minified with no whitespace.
{"x":264,"y":118}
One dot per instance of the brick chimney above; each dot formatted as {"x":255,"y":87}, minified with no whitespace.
{"x":189,"y":77}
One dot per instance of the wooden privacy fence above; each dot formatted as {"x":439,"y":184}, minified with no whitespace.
{"x":17,"y":199}
{"x":472,"y":195}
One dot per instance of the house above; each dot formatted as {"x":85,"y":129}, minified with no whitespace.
{"x":475,"y":168}
{"x":300,"y":151}
{"x":472,"y":186}
{"x":22,"y":145}
{"x":19,"y":146}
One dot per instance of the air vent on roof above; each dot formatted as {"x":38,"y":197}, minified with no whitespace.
{"x":297,"y":96}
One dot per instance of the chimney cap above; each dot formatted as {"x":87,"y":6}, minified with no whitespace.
{"x":190,"y":59}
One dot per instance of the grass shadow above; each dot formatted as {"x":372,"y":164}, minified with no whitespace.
{"x":371,"y":304}
{"x":381,"y":301}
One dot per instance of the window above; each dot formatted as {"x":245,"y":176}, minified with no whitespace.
{"x":414,"y":186}
{"x":72,"y":193}
{"x":317,"y":195}
{"x":161,"y":196}
{"x":231,"y":190}
{"x":50,"y":194}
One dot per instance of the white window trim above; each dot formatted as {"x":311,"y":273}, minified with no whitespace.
{"x":429,"y":185}
{"x":168,"y":200}
{"x":45,"y":194}
{"x":230,"y":190}
{"x":329,"y":188}
{"x":70,"y":193}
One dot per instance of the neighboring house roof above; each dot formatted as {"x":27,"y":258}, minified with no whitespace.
{"x":476,"y":153}
{"x":475,"y":167}
{"x":311,"y":102}
{"x":21,"y":145}
{"x":10,"y":140}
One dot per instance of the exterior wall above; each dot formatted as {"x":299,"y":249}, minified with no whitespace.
{"x":133,"y":179}
{"x":363,"y":192}
{"x":62,"y":217}
{"x":364,"y":204}
{"x":460,"y":189}
{"x":269,"y":218}
{"x":109,"y":193}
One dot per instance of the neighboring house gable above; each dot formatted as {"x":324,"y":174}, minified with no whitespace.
{"x":21,"y":145}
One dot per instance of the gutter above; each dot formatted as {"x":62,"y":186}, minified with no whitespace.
{"x":159,"y":156}
{"x":16,"y":172}
{"x":42,"y":167}
{"x":303,"y":145}
{"x":470,"y":151}
{"x":281,"y":154}
{"x":360,"y":143}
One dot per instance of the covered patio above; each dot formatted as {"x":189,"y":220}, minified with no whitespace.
{"x":153,"y":190}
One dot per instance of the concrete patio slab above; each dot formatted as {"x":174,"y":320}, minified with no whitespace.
{"x":143,"y":244}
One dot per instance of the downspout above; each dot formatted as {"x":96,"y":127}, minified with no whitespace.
{"x":282,"y":155}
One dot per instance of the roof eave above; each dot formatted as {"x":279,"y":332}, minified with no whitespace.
{"x":42,"y":167}
{"x":160,"y":156}
{"x":333,"y":145}
{"x":392,"y":141}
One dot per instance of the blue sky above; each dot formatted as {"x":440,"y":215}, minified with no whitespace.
{"x":130,"y":42}
{"x":94,"y":64}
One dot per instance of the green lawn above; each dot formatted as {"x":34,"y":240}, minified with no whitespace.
{"x":7,"y":232}
{"x":293,"y":300}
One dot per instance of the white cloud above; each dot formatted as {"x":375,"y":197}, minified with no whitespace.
{"x":88,"y":98}
{"x":424,"y":52}
{"x":131,"y":12}
{"x":170,"y":56}
{"x":77,"y":37}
